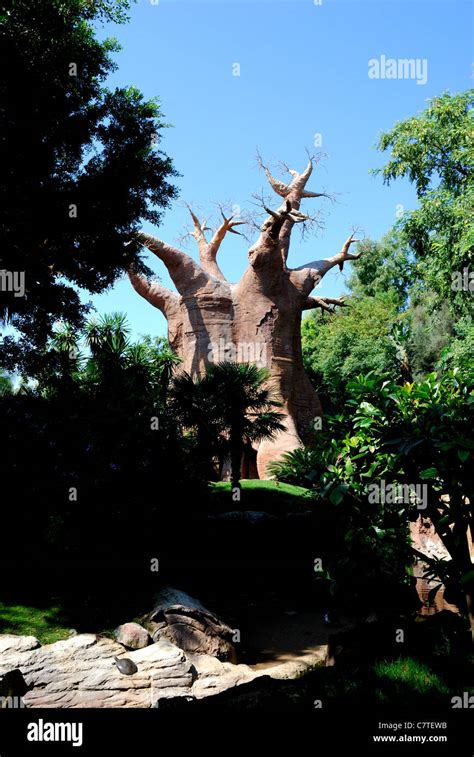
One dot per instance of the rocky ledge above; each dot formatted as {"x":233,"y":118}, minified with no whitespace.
{"x":81,"y":672}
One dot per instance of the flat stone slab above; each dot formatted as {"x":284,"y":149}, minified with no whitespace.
{"x":81,"y":672}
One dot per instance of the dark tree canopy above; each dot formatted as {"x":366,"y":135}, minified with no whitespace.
{"x":82,"y":167}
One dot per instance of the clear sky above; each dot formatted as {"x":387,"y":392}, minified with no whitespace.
{"x":304,"y":70}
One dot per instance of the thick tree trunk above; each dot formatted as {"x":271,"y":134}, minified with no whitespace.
{"x":258,"y":319}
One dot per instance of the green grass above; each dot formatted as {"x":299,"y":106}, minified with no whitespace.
{"x":408,"y":673}
{"x":274,"y":497}
{"x":44,"y":623}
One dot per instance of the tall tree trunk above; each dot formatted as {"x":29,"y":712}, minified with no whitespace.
{"x":257,"y":320}
{"x":236,"y":464}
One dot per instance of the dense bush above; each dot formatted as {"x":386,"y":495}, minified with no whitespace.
{"x":411,"y":434}
{"x":97,"y":468}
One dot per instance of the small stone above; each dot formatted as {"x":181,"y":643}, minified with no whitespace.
{"x":132,"y":636}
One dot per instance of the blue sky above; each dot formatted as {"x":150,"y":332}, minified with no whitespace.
{"x":303,"y":71}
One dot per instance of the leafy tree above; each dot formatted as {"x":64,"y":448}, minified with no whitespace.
{"x":384,"y":266}
{"x":82,"y":167}
{"x":430,"y":330}
{"x":394,"y":324}
{"x":457,"y":355}
{"x":435,"y":151}
{"x":193,"y":406}
{"x":410,"y":434}
{"x":95,"y":421}
{"x":357,"y":338}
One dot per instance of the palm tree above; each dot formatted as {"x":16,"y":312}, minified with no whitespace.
{"x":58,"y":376}
{"x":230,"y":407}
{"x":191,"y":402}
{"x":107,"y":339}
{"x":246,"y":408}
{"x":167,"y":360}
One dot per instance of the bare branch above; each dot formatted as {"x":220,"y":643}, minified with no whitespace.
{"x":325,"y":265}
{"x":167,"y":253}
{"x":266,"y":248}
{"x":279,"y":187}
{"x":155,"y":293}
{"x":187,"y":275}
{"x":306,"y":276}
{"x":294,"y":191}
{"x":228,"y":224}
{"x":324,"y":303}
{"x":198,"y":232}
{"x":208,"y":250}
{"x":297,"y":185}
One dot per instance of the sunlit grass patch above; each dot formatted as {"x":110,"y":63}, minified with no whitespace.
{"x":408,"y":673}
{"x":43,"y":622}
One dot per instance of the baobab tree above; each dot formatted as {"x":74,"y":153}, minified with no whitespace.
{"x":262,"y":312}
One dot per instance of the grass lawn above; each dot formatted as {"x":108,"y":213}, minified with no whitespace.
{"x":44,"y":623}
{"x":273,"y":497}
{"x":403,"y":684}
{"x":409,"y":674}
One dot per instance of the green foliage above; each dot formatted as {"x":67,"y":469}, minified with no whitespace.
{"x":297,"y":467}
{"x":96,"y":423}
{"x":431,"y":327}
{"x":435,"y":151}
{"x":458,"y":354}
{"x":410,"y":434}
{"x":272,"y":497}
{"x":356,"y":339}
{"x":229,"y":408}
{"x":82,"y":170}
{"x":101,"y":361}
{"x":385,"y":266}
{"x":106,"y":10}
{"x":6,"y":386}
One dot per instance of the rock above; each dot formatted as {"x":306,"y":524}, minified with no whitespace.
{"x":214,"y":676}
{"x":132,"y":636}
{"x":185,"y":622}
{"x":11,"y":643}
{"x":80,"y":672}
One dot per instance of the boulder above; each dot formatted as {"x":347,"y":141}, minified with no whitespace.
{"x":185,"y":622}
{"x":10,"y":642}
{"x":81,"y":672}
{"x":132,"y":636}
